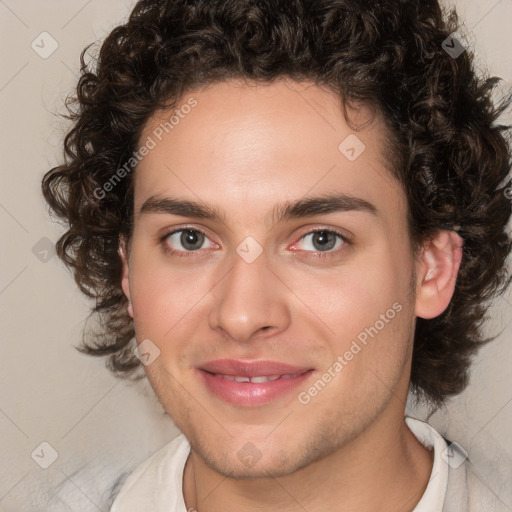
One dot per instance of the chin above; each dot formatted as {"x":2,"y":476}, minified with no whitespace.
{"x":246,"y":460}
{"x":266,"y":467}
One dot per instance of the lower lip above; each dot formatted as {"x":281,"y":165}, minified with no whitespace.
{"x":251,"y":394}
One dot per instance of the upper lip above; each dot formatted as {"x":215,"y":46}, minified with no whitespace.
{"x":237,"y":367}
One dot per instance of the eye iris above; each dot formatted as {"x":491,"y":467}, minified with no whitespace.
{"x":326,"y":240}
{"x":190,"y":237}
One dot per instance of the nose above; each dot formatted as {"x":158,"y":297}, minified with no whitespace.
{"x":249,"y":301}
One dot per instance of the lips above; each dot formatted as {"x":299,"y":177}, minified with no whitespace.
{"x":258,"y":378}
{"x":251,"y":383}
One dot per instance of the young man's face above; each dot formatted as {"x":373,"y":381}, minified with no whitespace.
{"x":333,"y":314}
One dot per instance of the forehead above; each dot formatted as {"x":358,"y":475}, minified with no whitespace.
{"x":247,"y":144}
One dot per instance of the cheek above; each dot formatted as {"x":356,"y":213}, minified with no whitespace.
{"x":370,"y":321}
{"x":166,"y":299}
{"x":383,"y":313}
{"x":354,"y":297}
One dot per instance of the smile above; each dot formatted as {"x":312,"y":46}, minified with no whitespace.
{"x":259,"y":378}
{"x":252,"y":383}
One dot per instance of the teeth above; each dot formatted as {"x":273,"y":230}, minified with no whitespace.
{"x":263,"y":379}
{"x":259,"y":379}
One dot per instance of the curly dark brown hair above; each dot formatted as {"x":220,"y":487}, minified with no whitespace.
{"x":450,"y":154}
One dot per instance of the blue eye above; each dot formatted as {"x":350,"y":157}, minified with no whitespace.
{"x":189,"y":239}
{"x":185,"y":242}
{"x":323,"y":240}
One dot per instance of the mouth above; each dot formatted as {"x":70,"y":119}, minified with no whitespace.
{"x":258,"y":379}
{"x":251,"y":383}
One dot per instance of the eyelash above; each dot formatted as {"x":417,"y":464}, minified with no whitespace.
{"x":315,"y":254}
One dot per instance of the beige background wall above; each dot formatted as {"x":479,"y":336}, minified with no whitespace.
{"x":99,"y":427}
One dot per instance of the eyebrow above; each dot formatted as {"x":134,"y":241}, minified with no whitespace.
{"x":300,"y":208}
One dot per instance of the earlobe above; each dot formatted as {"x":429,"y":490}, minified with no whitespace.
{"x":125,"y":282}
{"x":437,"y":270}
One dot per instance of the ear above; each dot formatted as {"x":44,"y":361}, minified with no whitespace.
{"x":125,"y":282}
{"x":436,"y":270}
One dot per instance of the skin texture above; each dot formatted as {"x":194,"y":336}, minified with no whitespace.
{"x":243,"y":149}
